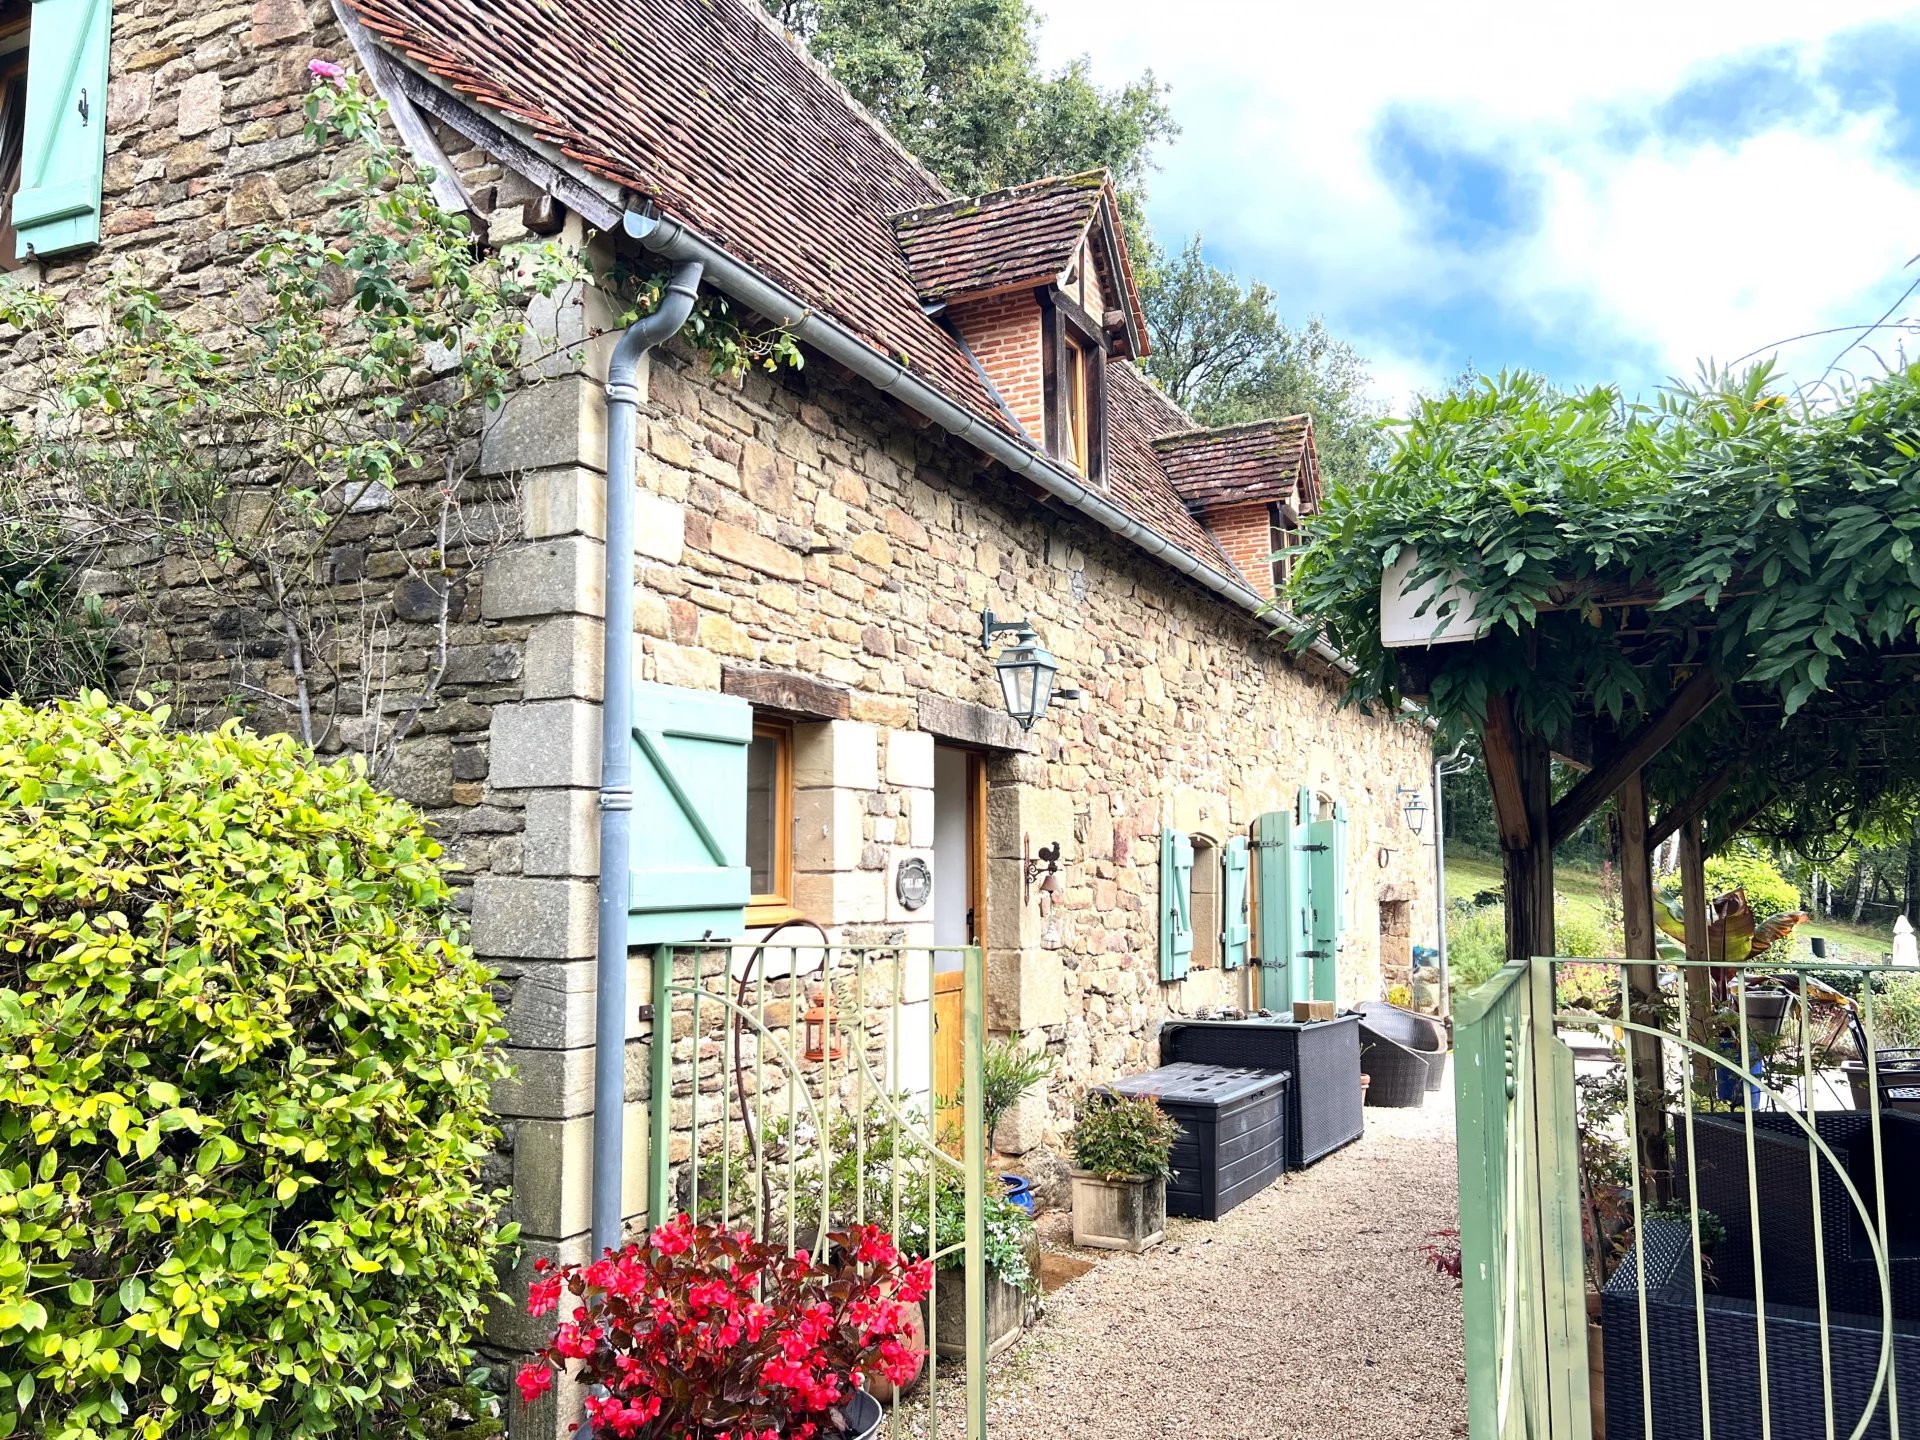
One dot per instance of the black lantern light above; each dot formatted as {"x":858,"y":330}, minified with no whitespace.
{"x":1027,"y":669}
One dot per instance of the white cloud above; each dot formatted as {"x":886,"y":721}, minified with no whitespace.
{"x":1647,"y":251}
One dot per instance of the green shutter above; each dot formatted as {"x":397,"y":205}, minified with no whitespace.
{"x":1176,"y":905}
{"x":65,"y":150}
{"x":688,"y":872}
{"x":1286,"y":915}
{"x":1326,"y":844}
{"x":1236,"y":927}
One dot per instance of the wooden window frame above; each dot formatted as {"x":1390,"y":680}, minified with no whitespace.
{"x":1064,"y":327}
{"x":13,"y":77}
{"x":776,"y":906}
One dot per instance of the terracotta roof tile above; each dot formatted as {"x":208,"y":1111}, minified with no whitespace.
{"x":1238,"y":464}
{"x":720,"y":119}
{"x":1137,"y":413}
{"x":1025,"y":235}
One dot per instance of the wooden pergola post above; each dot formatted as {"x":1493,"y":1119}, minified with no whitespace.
{"x":1647,"y":1068}
{"x":1520,"y":773}
{"x":1699,"y":981}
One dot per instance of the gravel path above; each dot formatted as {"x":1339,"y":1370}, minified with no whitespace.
{"x":1309,"y":1313}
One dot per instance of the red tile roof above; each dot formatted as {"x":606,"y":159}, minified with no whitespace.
{"x":1006,"y":239}
{"x":1239,"y":464}
{"x":709,"y":110}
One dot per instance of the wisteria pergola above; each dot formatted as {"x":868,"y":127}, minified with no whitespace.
{"x":1711,"y":604}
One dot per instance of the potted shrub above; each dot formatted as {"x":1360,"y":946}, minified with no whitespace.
{"x":1011,"y":1252}
{"x":706,"y":1332}
{"x":1122,"y":1152}
{"x":1007,"y":1071}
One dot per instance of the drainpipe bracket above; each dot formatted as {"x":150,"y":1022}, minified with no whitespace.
{"x":616,"y":798}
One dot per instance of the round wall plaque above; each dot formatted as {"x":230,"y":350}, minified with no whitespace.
{"x":913,"y":882}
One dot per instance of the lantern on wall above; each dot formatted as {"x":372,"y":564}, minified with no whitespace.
{"x":1026,"y":669}
{"x":1413,"y":806}
{"x":822,"y":1035}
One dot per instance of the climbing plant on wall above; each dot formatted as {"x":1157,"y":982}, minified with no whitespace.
{"x":332,"y":405}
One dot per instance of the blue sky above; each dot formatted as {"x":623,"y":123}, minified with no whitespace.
{"x":1600,"y":192}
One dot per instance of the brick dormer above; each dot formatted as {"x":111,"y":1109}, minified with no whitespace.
{"x":1035,"y":282}
{"x":1249,"y":485}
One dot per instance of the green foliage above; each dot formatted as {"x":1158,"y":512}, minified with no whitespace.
{"x":1895,"y":1018}
{"x":1009,"y":1230}
{"x":1476,"y":946}
{"x":1007,"y":1071}
{"x":1745,"y":868}
{"x":244,"y":1107}
{"x":1775,"y":542}
{"x":959,"y":83}
{"x":1118,"y":1138}
{"x":52,"y":642}
{"x":1221,"y":350}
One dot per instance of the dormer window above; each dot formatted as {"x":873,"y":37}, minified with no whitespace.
{"x":1076,"y":390}
{"x":1035,"y":283}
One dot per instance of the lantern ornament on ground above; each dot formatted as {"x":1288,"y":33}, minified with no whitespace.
{"x":1026,"y":668}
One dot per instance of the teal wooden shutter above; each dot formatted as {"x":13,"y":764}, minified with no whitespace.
{"x":65,"y":150}
{"x":688,"y":873}
{"x":1326,"y":845}
{"x":1286,"y":910}
{"x":1176,"y":905}
{"x":1236,"y":927}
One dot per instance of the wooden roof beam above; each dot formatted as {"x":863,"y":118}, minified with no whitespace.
{"x":1500,"y":745}
{"x":1673,"y":817}
{"x":1600,"y":783}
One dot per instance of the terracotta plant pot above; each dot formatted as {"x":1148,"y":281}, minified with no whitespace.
{"x":1127,"y":1214}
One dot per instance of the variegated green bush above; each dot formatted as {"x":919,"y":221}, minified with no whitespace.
{"x":244,"y":1068}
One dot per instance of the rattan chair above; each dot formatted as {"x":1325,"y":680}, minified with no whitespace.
{"x":1413,"y":1030}
{"x":1799,"y":1358}
{"x":1397,"y":1076}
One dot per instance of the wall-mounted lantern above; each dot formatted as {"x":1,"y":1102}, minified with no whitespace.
{"x":1026,"y":668}
{"x":1413,"y":805}
{"x":822,"y":1036}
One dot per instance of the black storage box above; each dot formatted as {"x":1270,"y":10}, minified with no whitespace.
{"x":1324,"y":1101}
{"x":1233,"y":1132}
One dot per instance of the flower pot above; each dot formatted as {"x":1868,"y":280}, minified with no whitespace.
{"x":1006,"y":1312}
{"x":864,"y":1417}
{"x":1127,"y":1214}
{"x":1019,"y":1191}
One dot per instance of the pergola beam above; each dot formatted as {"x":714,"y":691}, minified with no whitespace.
{"x":1606,"y":778}
{"x":1691,"y":808}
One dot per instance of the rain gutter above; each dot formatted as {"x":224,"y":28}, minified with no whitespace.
{"x":674,"y":241}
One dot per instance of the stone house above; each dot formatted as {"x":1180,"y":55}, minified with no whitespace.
{"x":1192,"y":821}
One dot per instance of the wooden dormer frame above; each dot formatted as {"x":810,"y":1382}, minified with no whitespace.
{"x":1061,"y":318}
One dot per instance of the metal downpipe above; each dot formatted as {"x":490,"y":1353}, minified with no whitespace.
{"x":616,"y":768}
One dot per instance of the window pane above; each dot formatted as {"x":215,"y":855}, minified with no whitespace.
{"x":1073,"y":405}
{"x":763,"y":812}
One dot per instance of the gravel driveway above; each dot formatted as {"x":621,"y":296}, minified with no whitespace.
{"x":1309,"y":1313}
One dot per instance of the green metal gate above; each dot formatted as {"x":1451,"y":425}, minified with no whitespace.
{"x":796,"y":1094}
{"x":1758,"y":1116}
{"x":1520,"y":1243}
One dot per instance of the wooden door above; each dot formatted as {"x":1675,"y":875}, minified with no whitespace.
{"x":966,"y":792}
